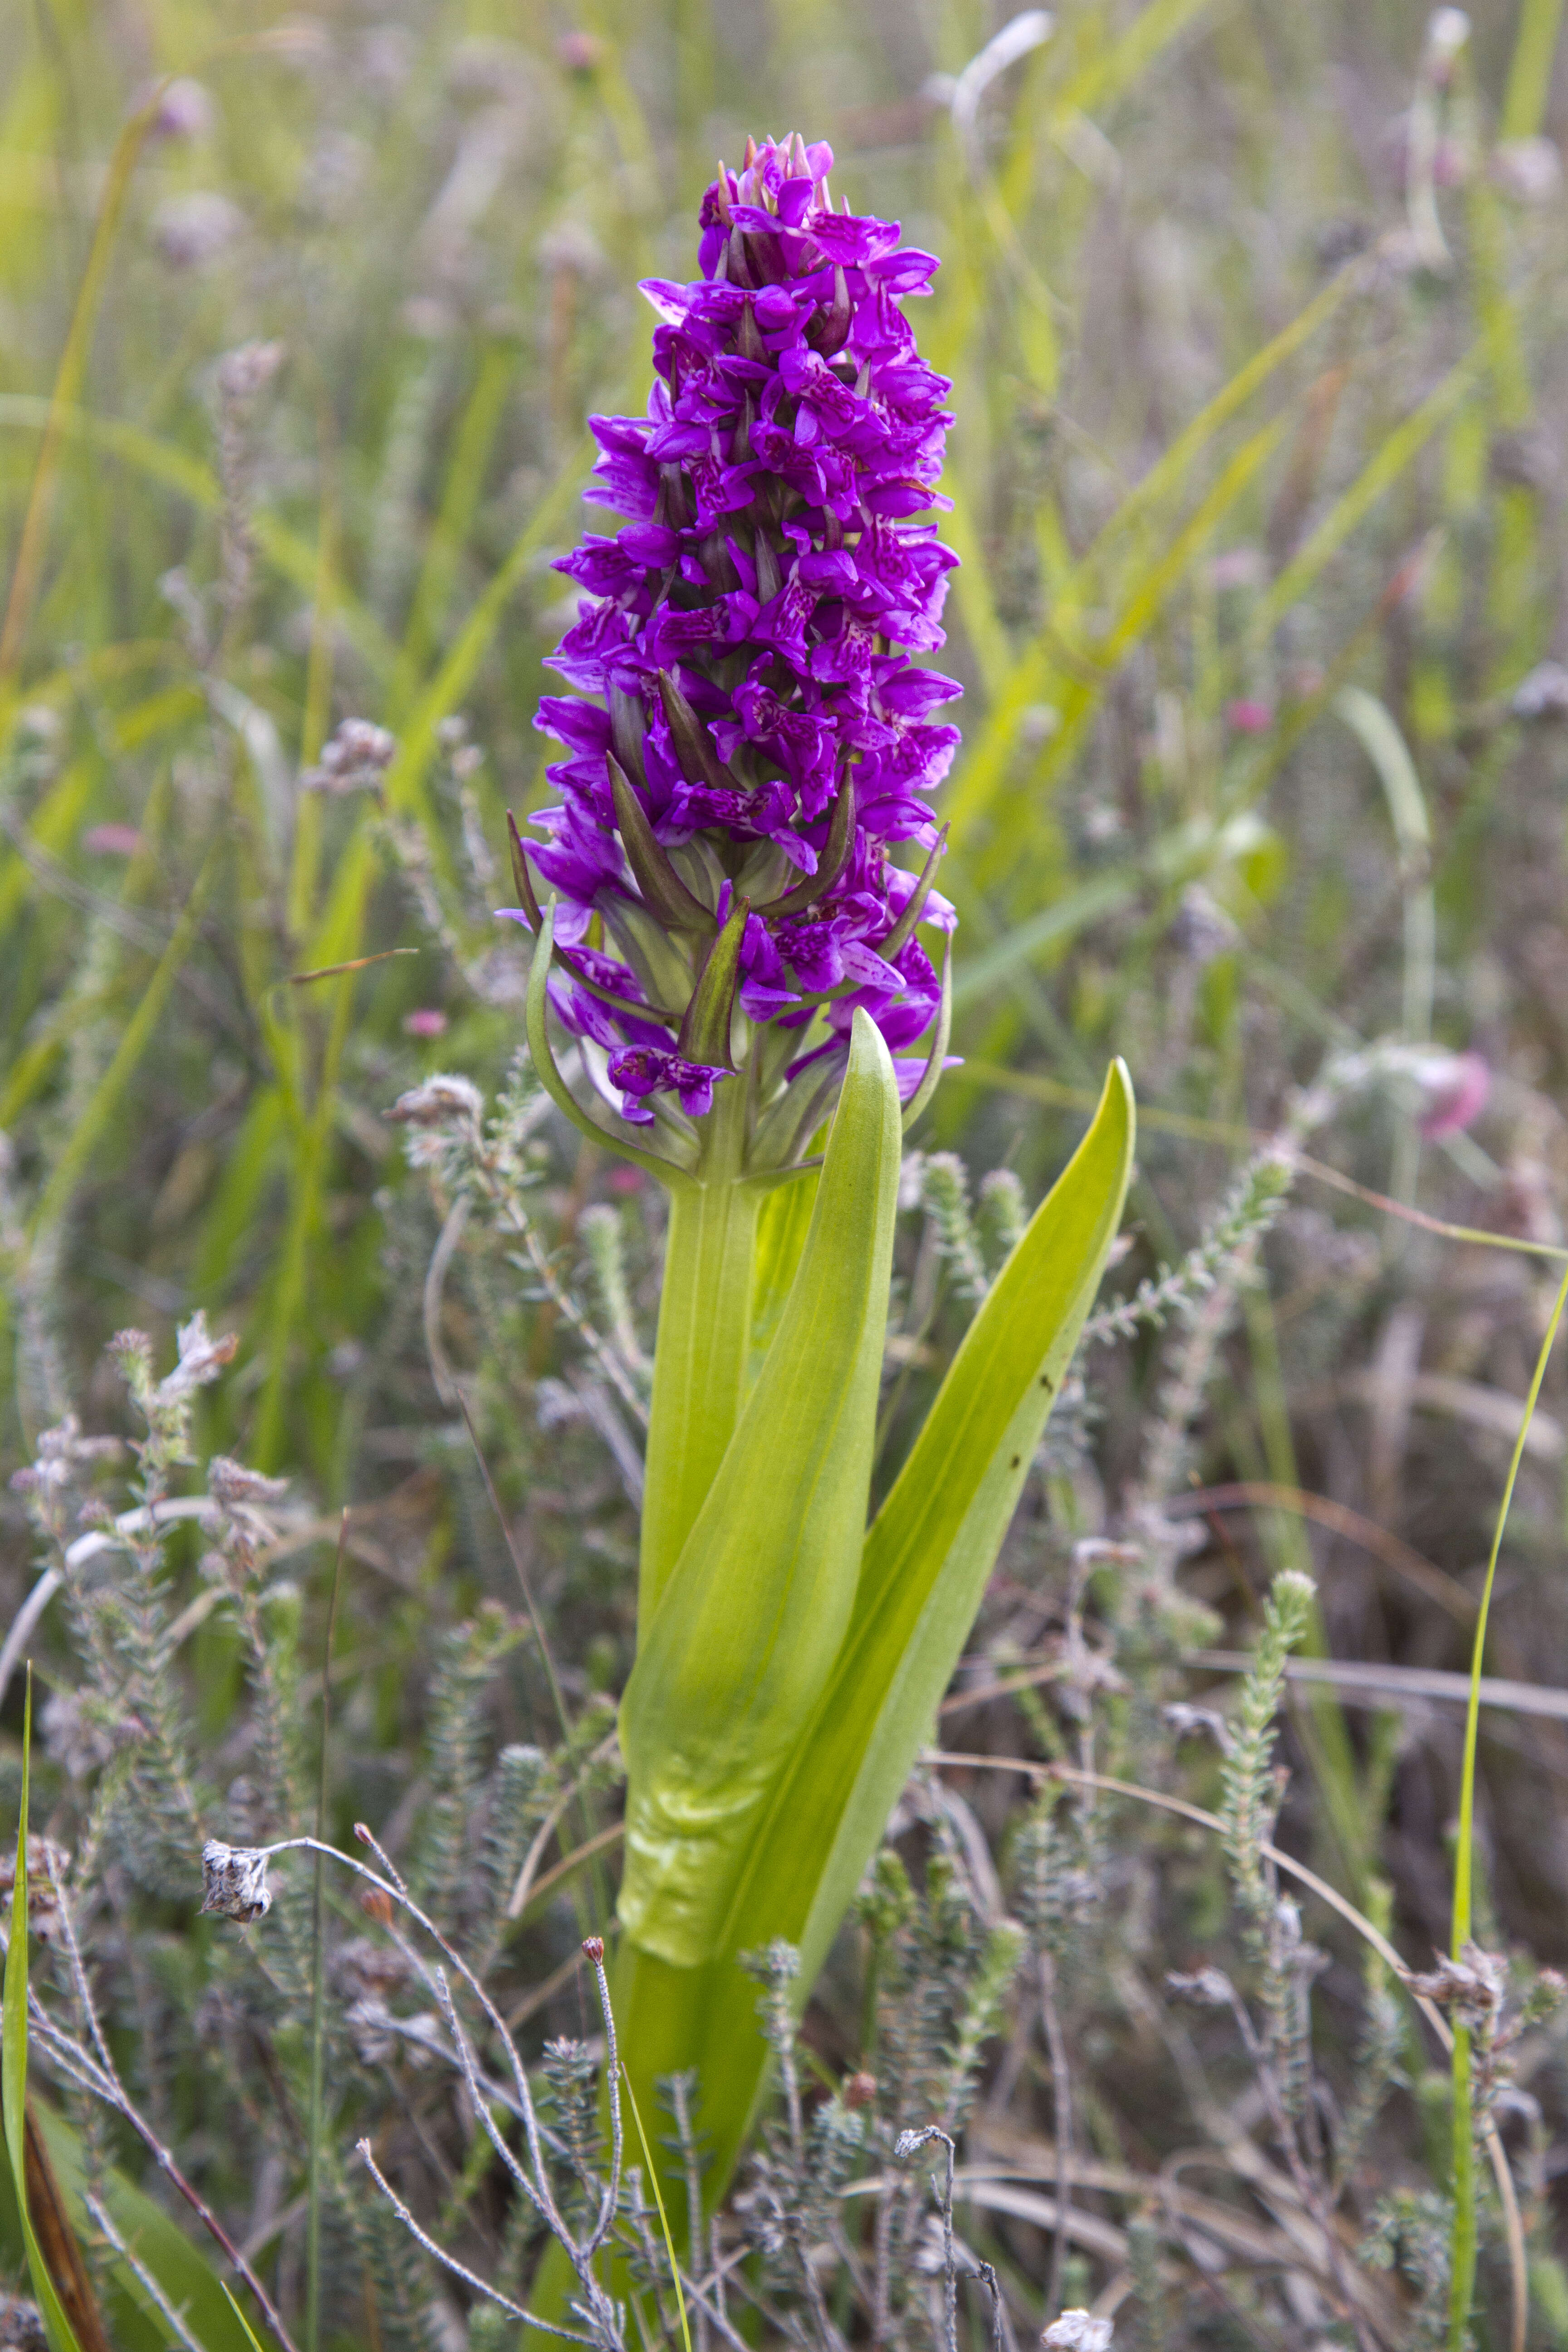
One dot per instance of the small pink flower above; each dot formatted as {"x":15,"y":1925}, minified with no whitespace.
{"x":1238,"y":567}
{"x":185,"y":111}
{"x":1456,"y":1093}
{"x":580,"y":52}
{"x":426,"y":1023}
{"x":111,"y":841}
{"x":625,"y":1179}
{"x":1249,"y":717}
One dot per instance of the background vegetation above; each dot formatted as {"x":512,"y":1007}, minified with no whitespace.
{"x":1256,"y":317}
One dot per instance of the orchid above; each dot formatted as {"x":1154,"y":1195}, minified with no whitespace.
{"x":749,"y":739}
{"x":723,"y":928}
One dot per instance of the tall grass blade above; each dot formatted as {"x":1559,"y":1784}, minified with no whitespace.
{"x":1462,"y":2274}
{"x":14,"y":2065}
{"x":106,"y":1095}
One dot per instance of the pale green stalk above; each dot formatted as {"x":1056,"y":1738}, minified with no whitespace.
{"x":704,"y":1341}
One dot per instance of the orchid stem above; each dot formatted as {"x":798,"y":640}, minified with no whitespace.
{"x":704,"y":1341}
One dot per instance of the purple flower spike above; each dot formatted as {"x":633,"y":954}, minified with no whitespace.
{"x":744,"y":720}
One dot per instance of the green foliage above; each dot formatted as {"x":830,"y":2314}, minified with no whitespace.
{"x":1251,"y":1797}
{"x":734,"y":1660}
{"x":13,"y":2039}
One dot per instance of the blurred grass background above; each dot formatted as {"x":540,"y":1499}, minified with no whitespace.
{"x":1256,"y":316}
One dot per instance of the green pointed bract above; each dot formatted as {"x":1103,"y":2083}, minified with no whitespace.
{"x":657,"y":878}
{"x":522,"y":880}
{"x":903,"y":930}
{"x":539,"y":1053}
{"x":924,"y":1566}
{"x":628,"y":724}
{"x":732,"y":1665}
{"x":936,"y":1062}
{"x":705,"y":1029}
{"x":694,"y":747}
{"x":834,"y":859}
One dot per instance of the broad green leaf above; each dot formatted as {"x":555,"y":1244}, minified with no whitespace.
{"x":14,"y":2065}
{"x":934,"y":1544}
{"x":159,"y":2244}
{"x":927,"y":1559}
{"x":783,"y":1222}
{"x":735,"y":1658}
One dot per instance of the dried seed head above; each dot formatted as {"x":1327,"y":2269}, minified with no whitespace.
{"x":441,"y":1101}
{"x":47,"y":1865}
{"x":232,"y":1484}
{"x":1472,"y":1987}
{"x":1077,"y":2331}
{"x":1206,"y":1989}
{"x":860,"y":2090}
{"x":356,"y":760}
{"x":234,"y":1881}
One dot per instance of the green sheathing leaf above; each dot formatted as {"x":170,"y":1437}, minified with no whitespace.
{"x":934,"y":1544}
{"x":158,"y":2242}
{"x":926,"y":1562}
{"x":735,"y":1657}
{"x":783,"y":1222}
{"x":14,"y":2067}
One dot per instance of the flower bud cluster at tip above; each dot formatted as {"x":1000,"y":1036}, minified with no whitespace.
{"x":749,"y":736}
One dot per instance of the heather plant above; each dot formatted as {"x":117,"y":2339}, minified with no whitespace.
{"x":1227,"y":428}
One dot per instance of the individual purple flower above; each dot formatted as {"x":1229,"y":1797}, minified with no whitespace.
{"x":646,"y":1069}
{"x":746,"y":738}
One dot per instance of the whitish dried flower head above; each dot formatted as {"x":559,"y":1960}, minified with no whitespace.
{"x":234,"y":1881}
{"x":1077,"y":2331}
{"x":1472,"y":1987}
{"x":192,"y":229}
{"x":201,"y":1360}
{"x":47,"y":1866}
{"x":234,"y":1486}
{"x":355,"y":760}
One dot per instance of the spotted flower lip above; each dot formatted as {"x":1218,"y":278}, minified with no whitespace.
{"x":745,"y":718}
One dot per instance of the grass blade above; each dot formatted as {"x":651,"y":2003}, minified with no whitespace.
{"x":1462,"y":2273}
{"x":105,"y":1098}
{"x":14,"y":2065}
